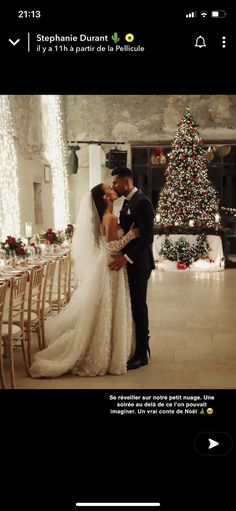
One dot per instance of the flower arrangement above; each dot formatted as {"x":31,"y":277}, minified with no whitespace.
{"x":158,"y":156}
{"x":158,"y":151}
{"x":50,"y":237}
{"x":13,"y":246}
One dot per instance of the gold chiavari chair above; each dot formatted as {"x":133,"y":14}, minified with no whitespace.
{"x":32,"y":309}
{"x":46,"y":302}
{"x":59,"y":298}
{"x":13,"y":329}
{"x":3,"y":288}
{"x":71,"y":279}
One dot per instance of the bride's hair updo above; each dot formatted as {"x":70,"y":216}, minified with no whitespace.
{"x":98,"y":193}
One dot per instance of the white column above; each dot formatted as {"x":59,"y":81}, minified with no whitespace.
{"x":95,"y":165}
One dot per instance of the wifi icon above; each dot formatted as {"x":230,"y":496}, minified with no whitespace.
{"x":204,"y":13}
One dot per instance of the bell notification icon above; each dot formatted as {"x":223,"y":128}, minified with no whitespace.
{"x":200,"y":42}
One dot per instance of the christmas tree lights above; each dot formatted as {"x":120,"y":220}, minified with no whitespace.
{"x":188,"y":198}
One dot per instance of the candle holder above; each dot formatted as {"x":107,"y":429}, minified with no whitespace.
{"x":28,"y":240}
{"x":28,"y":230}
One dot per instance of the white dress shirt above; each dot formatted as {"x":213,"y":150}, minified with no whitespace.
{"x":128,"y":199}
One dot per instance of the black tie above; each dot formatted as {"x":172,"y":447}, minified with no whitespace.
{"x":125,"y":203}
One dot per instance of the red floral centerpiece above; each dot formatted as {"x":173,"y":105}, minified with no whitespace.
{"x":158,"y":151}
{"x":50,"y":237}
{"x":13,"y":246}
{"x":158,"y":156}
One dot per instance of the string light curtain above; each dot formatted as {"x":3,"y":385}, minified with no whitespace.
{"x":56,"y":155}
{"x":9,"y":192}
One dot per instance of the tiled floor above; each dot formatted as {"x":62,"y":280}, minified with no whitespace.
{"x":193,"y":338}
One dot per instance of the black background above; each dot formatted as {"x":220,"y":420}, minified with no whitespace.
{"x":64,"y":446}
{"x":170,"y":64}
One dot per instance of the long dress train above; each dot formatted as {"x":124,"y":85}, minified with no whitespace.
{"x":93,"y":335}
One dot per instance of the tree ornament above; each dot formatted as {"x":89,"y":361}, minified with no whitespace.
{"x":187,"y":192}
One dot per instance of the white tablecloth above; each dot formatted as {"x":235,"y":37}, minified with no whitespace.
{"x":215,"y":253}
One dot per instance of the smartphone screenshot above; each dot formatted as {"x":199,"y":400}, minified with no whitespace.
{"x":117,"y":257}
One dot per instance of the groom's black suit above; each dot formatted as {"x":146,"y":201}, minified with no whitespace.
{"x":139,"y":210}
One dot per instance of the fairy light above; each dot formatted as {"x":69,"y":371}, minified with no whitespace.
{"x":56,"y":155}
{"x":188,"y":197}
{"x":9,"y":192}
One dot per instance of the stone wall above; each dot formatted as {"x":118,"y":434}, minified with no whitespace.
{"x":149,"y":118}
{"x":140,"y":118}
{"x":26,"y":114}
{"x":126,"y":118}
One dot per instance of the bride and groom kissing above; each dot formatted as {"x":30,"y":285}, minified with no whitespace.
{"x":104,"y":327}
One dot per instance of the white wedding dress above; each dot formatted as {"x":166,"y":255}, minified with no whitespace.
{"x":93,"y":335}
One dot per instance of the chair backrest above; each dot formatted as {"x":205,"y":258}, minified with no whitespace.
{"x":35,"y":289}
{"x":16,"y":301}
{"x":48,"y":286}
{"x":3,"y":288}
{"x":71,"y":277}
{"x":16,"y":316}
{"x":63,"y":272}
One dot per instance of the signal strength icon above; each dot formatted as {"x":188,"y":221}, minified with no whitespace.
{"x":204,"y":14}
{"x":192,"y":14}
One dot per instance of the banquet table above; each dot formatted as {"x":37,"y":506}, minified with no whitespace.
{"x":9,"y":272}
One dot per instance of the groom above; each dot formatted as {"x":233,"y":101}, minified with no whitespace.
{"x":137,"y":256}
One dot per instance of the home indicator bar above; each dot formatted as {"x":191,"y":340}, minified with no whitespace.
{"x":118,"y":504}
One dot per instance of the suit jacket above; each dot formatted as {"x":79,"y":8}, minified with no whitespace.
{"x":139,"y":211}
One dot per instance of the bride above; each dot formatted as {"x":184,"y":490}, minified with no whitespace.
{"x":93,"y":334}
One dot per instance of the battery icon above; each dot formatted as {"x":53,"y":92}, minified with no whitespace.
{"x":218,"y":14}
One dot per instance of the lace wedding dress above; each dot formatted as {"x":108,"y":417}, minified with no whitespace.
{"x":93,"y":335}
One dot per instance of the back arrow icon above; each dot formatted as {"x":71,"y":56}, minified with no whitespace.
{"x":14,"y":42}
{"x":213,"y":443}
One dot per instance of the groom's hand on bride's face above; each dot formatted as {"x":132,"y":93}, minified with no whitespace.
{"x":117,"y":263}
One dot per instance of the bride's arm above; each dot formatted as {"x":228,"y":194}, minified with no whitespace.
{"x":111,"y":229}
{"x":113,"y":243}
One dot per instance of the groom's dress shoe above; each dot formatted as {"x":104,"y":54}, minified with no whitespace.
{"x":137,"y":362}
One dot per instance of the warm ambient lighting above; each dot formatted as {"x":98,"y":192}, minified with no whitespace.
{"x":56,"y":155}
{"x":9,"y":193}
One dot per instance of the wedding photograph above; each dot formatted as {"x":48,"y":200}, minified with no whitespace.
{"x":118,"y":241}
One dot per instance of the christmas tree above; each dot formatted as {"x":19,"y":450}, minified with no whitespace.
{"x":202,"y":247}
{"x":168,"y":250}
{"x":188,"y":198}
{"x":182,"y":251}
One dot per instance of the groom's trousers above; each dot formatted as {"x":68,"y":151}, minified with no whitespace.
{"x":138,"y":282}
